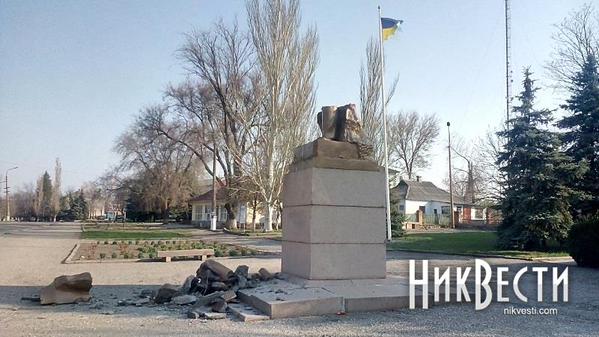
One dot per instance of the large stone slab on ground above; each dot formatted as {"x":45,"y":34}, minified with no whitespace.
{"x":302,"y":297}
{"x":67,"y":289}
{"x":283,"y":299}
{"x":334,"y":261}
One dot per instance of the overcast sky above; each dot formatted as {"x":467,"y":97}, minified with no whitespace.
{"x":73,"y":74}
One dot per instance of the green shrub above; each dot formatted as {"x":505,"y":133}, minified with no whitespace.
{"x":583,"y":242}
{"x":97,"y":242}
{"x":126,"y":255}
{"x":114,"y":256}
{"x":244,"y":252}
{"x":397,"y":222}
{"x":218,"y":253}
{"x":114,"y":242}
{"x":102,"y":256}
{"x":141,"y":255}
{"x":152,"y":255}
{"x":106,"y":242}
{"x":233,"y":252}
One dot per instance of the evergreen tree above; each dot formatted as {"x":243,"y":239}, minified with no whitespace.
{"x":536,"y":203}
{"x":582,"y":137}
{"x":43,"y":198}
{"x":79,"y":207}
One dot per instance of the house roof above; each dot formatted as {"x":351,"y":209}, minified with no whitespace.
{"x":422,"y":191}
{"x":207,"y":196}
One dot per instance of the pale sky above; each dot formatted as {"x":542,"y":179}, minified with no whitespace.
{"x":73,"y":74}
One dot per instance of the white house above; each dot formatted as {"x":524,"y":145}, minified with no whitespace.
{"x":434,"y":202}
{"x":201,"y":206}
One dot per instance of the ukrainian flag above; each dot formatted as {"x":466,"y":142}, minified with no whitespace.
{"x":389,"y":27}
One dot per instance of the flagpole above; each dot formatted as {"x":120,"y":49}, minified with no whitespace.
{"x":384,"y":107}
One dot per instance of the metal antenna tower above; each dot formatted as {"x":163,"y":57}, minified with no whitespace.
{"x":508,"y":69}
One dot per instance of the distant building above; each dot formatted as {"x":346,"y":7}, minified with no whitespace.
{"x":202,"y":210}
{"x":411,"y":196}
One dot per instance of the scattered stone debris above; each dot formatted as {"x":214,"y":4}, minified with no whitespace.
{"x":67,"y":289}
{"x":209,"y":294}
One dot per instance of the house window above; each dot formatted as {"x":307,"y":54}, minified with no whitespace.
{"x":445,"y":210}
{"x":207,"y":212}
{"x":402,"y":209}
{"x":478,"y":213}
{"x":197,"y":212}
{"x":222,"y":213}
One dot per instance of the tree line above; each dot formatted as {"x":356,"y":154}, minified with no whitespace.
{"x":549,"y":165}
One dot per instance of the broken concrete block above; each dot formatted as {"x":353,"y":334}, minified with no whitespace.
{"x":206,"y":300}
{"x":217,"y":268}
{"x":219,"y":286}
{"x":166,"y":293}
{"x":242,"y":270}
{"x":187,"y":285}
{"x":228,"y":295}
{"x":219,"y":306}
{"x":265,"y":275}
{"x":67,"y":289}
{"x":184,"y":299}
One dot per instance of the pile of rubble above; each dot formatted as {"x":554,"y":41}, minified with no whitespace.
{"x":209,"y":292}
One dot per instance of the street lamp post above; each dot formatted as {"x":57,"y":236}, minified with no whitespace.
{"x":6,"y":191}
{"x":450,"y":177}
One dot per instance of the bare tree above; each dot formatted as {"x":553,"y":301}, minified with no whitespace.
{"x":469,"y":177}
{"x":164,"y":165}
{"x":411,"y":137}
{"x":370,"y":98}
{"x":214,"y":112}
{"x":577,"y":36}
{"x":38,"y":203}
{"x":287,"y":60}
{"x":488,"y":149}
{"x":56,"y":193}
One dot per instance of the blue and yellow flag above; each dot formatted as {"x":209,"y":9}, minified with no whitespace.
{"x":389,"y":27}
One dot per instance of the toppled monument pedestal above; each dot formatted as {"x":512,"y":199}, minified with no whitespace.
{"x":334,"y":214}
{"x":67,"y":289}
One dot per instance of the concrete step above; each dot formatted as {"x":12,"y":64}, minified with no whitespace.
{"x":284,"y":299}
{"x":246,"y":313}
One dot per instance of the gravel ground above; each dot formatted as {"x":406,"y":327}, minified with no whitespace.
{"x":31,"y":256}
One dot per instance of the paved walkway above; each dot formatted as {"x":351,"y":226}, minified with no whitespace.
{"x":254,"y":242}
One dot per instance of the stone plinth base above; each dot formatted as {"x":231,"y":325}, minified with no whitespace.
{"x":299,"y":297}
{"x":334,"y":214}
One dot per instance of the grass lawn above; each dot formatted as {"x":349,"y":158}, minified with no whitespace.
{"x":133,"y":235}
{"x":463,"y":243}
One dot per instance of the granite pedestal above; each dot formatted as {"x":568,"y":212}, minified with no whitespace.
{"x":334,"y":214}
